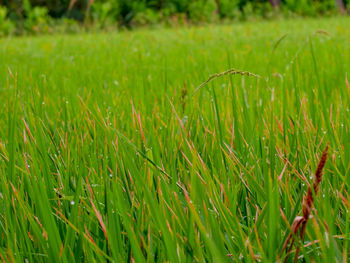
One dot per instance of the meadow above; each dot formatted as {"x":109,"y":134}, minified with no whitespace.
{"x":112,"y":151}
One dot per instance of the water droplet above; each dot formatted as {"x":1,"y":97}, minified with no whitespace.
{"x":72,"y":202}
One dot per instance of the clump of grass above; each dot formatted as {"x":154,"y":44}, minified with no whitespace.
{"x":299,"y":223}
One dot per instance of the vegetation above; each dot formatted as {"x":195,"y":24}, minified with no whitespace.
{"x":112,"y":150}
{"x":38,"y":16}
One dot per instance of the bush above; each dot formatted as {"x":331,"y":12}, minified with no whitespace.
{"x":203,"y":11}
{"x":229,"y":9}
{"x":37,"y":18}
{"x":6,"y":26}
{"x":147,"y":17}
{"x":300,"y":7}
{"x":104,"y":13}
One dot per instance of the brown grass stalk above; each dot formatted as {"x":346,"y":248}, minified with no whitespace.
{"x":231,"y":71}
{"x":299,"y":223}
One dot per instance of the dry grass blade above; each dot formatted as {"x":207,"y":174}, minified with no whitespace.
{"x":231,"y":71}
{"x":322,"y":32}
{"x":308,"y":200}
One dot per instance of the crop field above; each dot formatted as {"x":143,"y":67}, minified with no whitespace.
{"x":111,"y":150}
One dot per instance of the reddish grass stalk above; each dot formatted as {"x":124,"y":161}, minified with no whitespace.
{"x":308,"y":200}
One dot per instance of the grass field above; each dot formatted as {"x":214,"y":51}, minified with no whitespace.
{"x":110,"y":153}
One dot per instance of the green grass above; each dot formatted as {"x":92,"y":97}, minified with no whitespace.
{"x":107,"y":154}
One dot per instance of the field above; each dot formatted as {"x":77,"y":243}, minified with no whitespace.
{"x":111,"y":151}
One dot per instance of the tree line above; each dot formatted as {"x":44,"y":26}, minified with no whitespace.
{"x":38,"y":14}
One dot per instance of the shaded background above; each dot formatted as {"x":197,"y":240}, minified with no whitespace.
{"x":17,"y":16}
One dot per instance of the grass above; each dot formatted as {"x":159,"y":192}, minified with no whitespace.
{"x":109,"y":154}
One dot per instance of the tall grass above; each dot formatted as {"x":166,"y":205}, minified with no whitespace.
{"x":108,"y":154}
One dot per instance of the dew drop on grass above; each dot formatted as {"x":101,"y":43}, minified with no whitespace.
{"x":72,"y":202}
{"x":111,"y":175}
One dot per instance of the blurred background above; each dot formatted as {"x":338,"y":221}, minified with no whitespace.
{"x":47,"y":16}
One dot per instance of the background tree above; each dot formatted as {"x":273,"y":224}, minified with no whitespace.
{"x":340,"y":5}
{"x":275,"y":3}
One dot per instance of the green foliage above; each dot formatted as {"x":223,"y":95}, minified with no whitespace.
{"x":146,"y":17}
{"x":37,"y":18}
{"x":310,"y":7}
{"x":104,"y":12}
{"x":324,"y":7}
{"x":37,"y":15}
{"x":202,"y":10}
{"x":6,"y":26}
{"x":229,"y":9}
